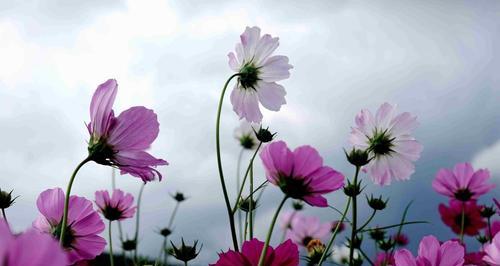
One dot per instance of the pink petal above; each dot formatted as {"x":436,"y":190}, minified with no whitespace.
{"x":233,"y":62}
{"x":404,"y":257}
{"x":275,"y":68}
{"x":231,"y":258}
{"x":384,"y":115}
{"x":246,"y":105}
{"x":86,"y":248}
{"x":252,"y":250}
{"x":444,"y":183}
{"x":50,"y":203}
{"x":277,"y":159}
{"x":271,"y":95}
{"x":316,"y":200}
{"x":101,"y":106}
{"x":325,"y":180}
{"x":463,"y":173}
{"x":286,"y":254}
{"x":452,"y":254}
{"x":139,"y":164}
{"x":265,"y":47}
{"x":249,"y":40}
{"x":33,"y":249}
{"x":402,"y":124}
{"x":429,"y":248}
{"x":306,"y":160}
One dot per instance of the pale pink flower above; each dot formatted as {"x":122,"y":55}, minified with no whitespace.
{"x":306,"y":228}
{"x":117,"y":207}
{"x":387,"y":136}
{"x":81,"y":240}
{"x":492,"y":251}
{"x":462,"y":183}
{"x":30,"y":248}
{"x":432,"y":253}
{"x":245,"y":134}
{"x":258,"y":72}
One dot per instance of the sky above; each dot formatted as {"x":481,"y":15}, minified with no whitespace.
{"x":436,"y":59}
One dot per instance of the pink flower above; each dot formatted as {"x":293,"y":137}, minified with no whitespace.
{"x":385,"y":259}
{"x":245,"y":134}
{"x":400,"y":239}
{"x":286,"y":254}
{"x":452,"y":216}
{"x":82,"y":241}
{"x":493,"y":251}
{"x":286,"y":219}
{"x":300,"y":174}
{"x":306,"y":228}
{"x":258,"y":73}
{"x":121,"y":141}
{"x":431,"y":253}
{"x":29,"y":249}
{"x":117,"y":207}
{"x":387,"y":137}
{"x":462,"y":183}
{"x":475,"y":259}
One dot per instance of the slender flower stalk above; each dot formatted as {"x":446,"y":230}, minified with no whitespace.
{"x":238,"y":181}
{"x":137,"y":220}
{"x":4,"y":216}
{"x":66,"y":200}
{"x":334,"y":234}
{"x":462,"y":224}
{"x":111,"y":257}
{"x":219,"y":164}
{"x":270,"y":232}
{"x":354,"y":219}
{"x":247,"y":172}
{"x":250,"y":210}
{"x":170,"y":223}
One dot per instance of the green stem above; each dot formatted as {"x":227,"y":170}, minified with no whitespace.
{"x":64,"y":222}
{"x":4,"y":216}
{"x":245,"y":178}
{"x":238,"y":177}
{"x":330,"y":243}
{"x":170,"y":223}
{"x":368,"y":221}
{"x":219,"y":165}
{"x":394,"y":225}
{"x":403,"y":218}
{"x":462,"y":224}
{"x":111,"y":258}
{"x":366,"y":257}
{"x":185,"y":263}
{"x":354,"y":219}
{"x":270,"y":232}
{"x":489,"y":230}
{"x":246,"y":227}
{"x":250,"y":211}
{"x":137,"y":220}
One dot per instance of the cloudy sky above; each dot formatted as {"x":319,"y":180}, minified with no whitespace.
{"x":437,"y":59}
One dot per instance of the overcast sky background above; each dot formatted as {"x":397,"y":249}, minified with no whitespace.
{"x":437,"y":59}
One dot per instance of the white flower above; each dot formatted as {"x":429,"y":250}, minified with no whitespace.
{"x":245,"y":134}
{"x":340,"y":254}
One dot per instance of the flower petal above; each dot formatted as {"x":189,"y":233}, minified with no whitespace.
{"x":101,"y":111}
{"x":271,"y":95}
{"x":275,"y":68}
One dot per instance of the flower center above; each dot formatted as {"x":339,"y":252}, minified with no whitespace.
{"x":112,"y":213}
{"x":247,"y":142}
{"x":381,"y":143}
{"x":293,"y":187}
{"x":249,"y":75}
{"x":68,"y":237}
{"x":100,"y":151}
{"x":306,"y":240}
{"x":463,"y":194}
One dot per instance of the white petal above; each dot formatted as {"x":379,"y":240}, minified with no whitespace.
{"x":265,"y":48}
{"x":271,"y":95}
{"x":275,"y":68}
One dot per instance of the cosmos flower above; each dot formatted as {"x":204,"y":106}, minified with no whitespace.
{"x":300,"y":174}
{"x":245,"y":134}
{"x":258,"y":72}
{"x":400,"y":239}
{"x":387,"y":137}
{"x":30,"y":248}
{"x":432,"y":253}
{"x":386,"y":259}
{"x":452,"y":216}
{"x":286,"y":219}
{"x":121,"y":141}
{"x":306,"y":228}
{"x":81,"y":240}
{"x":117,"y":207}
{"x":286,"y":254}
{"x":474,"y":259}
{"x":492,"y":251}
{"x":462,"y":183}
{"x":340,"y":254}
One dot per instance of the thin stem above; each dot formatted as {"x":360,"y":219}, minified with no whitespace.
{"x":170,"y":223}
{"x":245,"y":177}
{"x":489,"y":229}
{"x":394,"y":225}
{"x":400,"y":229}
{"x":339,"y":212}
{"x":113,"y":177}
{"x":330,"y":243}
{"x":66,"y":200}
{"x":137,"y":220}
{"x":250,"y":211}
{"x":368,"y":221}
{"x":246,"y":227}
{"x":238,"y":168}
{"x":4,"y":216}
{"x":270,"y":232}
{"x":462,"y":224}
{"x":111,"y":258}
{"x":366,"y":257}
{"x":219,"y":165}
{"x":185,"y":263}
{"x":162,"y":249}
{"x":354,"y":220}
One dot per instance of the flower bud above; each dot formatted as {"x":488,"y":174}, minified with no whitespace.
{"x":357,"y":242}
{"x":6,"y":199}
{"x":377,"y":234}
{"x":400,"y":239}
{"x":315,"y":249}
{"x":165,"y":232}
{"x":244,"y":204}
{"x":297,"y":205}
{"x":376,"y":203}
{"x":488,"y":212}
{"x":386,"y":245}
{"x":264,"y":135}
{"x":179,"y":197}
{"x":357,"y":157}
{"x":339,"y":224}
{"x":185,"y":253}
{"x":482,"y":239}
{"x":129,"y":245}
{"x":352,"y":190}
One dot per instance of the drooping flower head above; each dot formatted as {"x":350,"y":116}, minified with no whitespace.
{"x":245,"y":134}
{"x":387,"y":136}
{"x":121,"y":141}
{"x":300,"y":174}
{"x":286,"y":254}
{"x":258,"y":72}
{"x":30,"y":248}
{"x":432,"y":253}
{"x":452,"y":216}
{"x":462,"y":183}
{"x":81,"y":240}
{"x":117,"y":207}
{"x":306,"y":228}
{"x":492,"y":251}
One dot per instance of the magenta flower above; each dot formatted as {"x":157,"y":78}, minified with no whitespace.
{"x":452,"y":216}
{"x":117,"y":207}
{"x":303,"y":229}
{"x":492,"y":251}
{"x":385,"y":259}
{"x":258,"y":73}
{"x":432,"y":253}
{"x":300,"y":174}
{"x":474,"y":259}
{"x":81,"y":240}
{"x":121,"y":141}
{"x":400,"y":239}
{"x":387,"y":137}
{"x":30,"y":248}
{"x":462,"y":183}
{"x":286,"y":254}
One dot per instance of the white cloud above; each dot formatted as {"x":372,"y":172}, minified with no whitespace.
{"x":489,"y":157}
